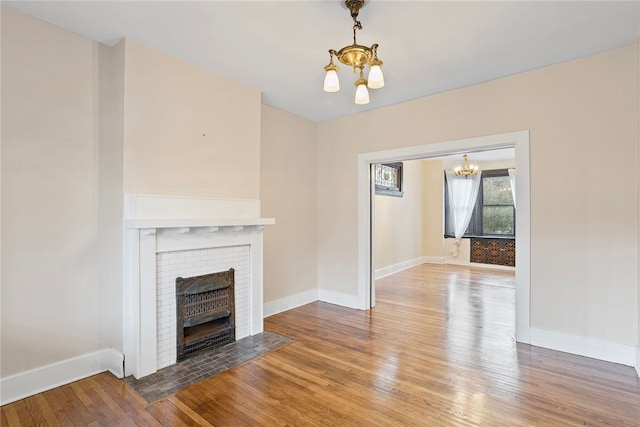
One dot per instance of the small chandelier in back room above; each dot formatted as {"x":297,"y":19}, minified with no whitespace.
{"x":467,"y":169}
{"x":356,"y":56}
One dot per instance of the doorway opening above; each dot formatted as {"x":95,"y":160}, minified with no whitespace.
{"x":519,"y":141}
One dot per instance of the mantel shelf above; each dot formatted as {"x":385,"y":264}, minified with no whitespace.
{"x":196,"y":222}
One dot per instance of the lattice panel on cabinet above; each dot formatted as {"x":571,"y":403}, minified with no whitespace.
{"x":493,"y":251}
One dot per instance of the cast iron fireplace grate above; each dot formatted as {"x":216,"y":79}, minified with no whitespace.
{"x":205,"y":313}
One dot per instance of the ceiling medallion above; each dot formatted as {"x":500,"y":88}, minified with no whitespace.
{"x":356,"y":56}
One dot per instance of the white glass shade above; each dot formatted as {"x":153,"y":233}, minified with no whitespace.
{"x":362,"y":94}
{"x":331,"y":82}
{"x":376,"y":79}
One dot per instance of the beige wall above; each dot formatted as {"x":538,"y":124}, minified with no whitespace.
{"x":399,"y":220}
{"x":433,"y":199}
{"x":288,"y":193}
{"x":57,"y":200}
{"x":188,"y":132}
{"x":110,"y":197}
{"x":584,"y":232}
{"x":82,"y":123}
{"x":1,"y":187}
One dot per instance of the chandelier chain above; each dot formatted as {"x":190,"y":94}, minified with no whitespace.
{"x":356,"y":26}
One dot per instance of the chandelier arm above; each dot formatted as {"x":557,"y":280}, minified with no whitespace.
{"x":331,"y":55}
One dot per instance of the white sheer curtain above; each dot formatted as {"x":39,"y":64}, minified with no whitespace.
{"x":512,"y":181}
{"x":463,"y":192}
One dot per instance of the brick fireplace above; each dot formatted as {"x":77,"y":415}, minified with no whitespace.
{"x":169,"y":237}
{"x":171,"y":266}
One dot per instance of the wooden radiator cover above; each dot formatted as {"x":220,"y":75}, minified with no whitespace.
{"x":493,"y":251}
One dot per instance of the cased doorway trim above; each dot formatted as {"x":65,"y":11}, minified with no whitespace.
{"x":518,"y":140}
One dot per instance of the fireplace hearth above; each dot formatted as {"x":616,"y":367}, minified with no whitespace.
{"x":205,"y":312}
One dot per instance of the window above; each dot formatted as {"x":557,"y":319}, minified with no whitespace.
{"x":388,"y":179}
{"x":494,"y":213}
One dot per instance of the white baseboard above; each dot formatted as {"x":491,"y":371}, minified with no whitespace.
{"x":457,"y":262}
{"x":434,"y":259}
{"x":638,"y":361}
{"x":396,"y":268}
{"x":338,"y":298}
{"x":283,"y":304}
{"x":479,"y":265}
{"x":112,"y":361}
{"x":583,"y":346}
{"x":25,"y":384}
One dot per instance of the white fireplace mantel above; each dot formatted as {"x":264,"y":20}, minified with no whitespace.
{"x":197,"y":222}
{"x":155,"y":224}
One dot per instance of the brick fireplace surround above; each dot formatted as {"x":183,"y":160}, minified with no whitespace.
{"x":166,"y":237}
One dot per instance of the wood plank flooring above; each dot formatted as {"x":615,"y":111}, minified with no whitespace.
{"x":438,"y":350}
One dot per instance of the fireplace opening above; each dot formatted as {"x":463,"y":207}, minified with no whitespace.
{"x":205,"y":312}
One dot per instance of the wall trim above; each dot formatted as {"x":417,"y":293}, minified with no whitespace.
{"x":28,"y":383}
{"x":584,"y":346}
{"x":290,"y":302}
{"x":479,"y":265}
{"x":338,"y":298}
{"x":396,"y":268}
{"x":638,"y":361}
{"x":434,"y":259}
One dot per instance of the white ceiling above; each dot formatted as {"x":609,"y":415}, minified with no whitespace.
{"x":280,"y":47}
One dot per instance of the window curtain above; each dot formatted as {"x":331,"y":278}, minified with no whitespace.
{"x":512,"y":181}
{"x":463,"y":192}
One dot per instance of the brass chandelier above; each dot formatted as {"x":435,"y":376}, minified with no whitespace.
{"x":467,"y":169}
{"x":356,"y":56}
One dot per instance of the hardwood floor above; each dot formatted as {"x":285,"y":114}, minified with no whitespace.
{"x":438,"y":350}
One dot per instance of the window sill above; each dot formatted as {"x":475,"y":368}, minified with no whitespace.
{"x":497,"y":236}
